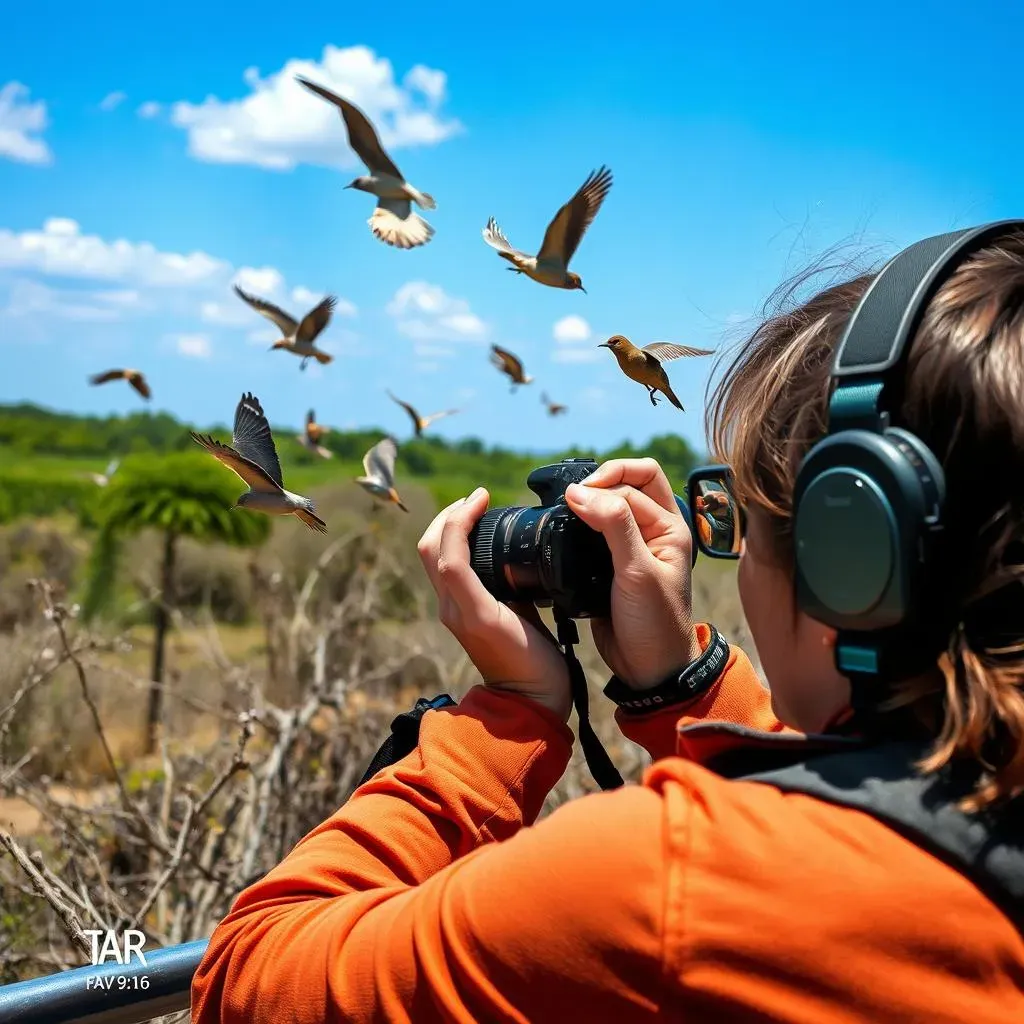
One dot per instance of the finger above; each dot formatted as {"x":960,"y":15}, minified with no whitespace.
{"x":454,"y":573}
{"x":644,"y":474}
{"x":611,"y":515}
{"x":430,"y":542}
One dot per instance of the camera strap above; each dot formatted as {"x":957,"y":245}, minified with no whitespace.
{"x":601,"y":766}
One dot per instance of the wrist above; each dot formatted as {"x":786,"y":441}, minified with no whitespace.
{"x":690,"y":648}
{"x":678,"y":687}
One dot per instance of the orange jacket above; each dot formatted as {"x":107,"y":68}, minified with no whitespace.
{"x":687,"y":898}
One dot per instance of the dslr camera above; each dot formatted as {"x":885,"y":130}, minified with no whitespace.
{"x":547,"y":554}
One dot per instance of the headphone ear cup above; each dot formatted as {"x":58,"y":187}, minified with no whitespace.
{"x":862,"y":506}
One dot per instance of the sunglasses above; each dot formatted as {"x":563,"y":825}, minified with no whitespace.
{"x":717,"y":517}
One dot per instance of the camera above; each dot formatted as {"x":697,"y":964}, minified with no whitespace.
{"x":547,"y":554}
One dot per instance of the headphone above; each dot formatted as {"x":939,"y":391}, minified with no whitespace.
{"x":868,"y":499}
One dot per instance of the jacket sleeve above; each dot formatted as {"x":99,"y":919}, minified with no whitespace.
{"x":738,"y":696}
{"x":425,"y":899}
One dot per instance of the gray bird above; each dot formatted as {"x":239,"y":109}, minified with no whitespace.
{"x":253,"y":457}
{"x":393,"y":222}
{"x":297,"y":336}
{"x":551,"y":265}
{"x":379,"y":467}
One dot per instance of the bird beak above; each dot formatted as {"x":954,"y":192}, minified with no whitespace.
{"x":582,"y":289}
{"x":604,"y":344}
{"x":349,"y":185}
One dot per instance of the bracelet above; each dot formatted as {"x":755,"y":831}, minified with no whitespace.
{"x":678,"y":688}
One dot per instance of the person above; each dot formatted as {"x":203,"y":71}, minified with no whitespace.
{"x":436,"y":894}
{"x":715,"y":519}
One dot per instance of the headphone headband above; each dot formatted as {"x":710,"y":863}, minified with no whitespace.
{"x":897,"y":298}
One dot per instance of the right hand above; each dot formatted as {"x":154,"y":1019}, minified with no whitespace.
{"x":650,"y":633}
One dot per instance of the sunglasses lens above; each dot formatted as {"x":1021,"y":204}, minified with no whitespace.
{"x":717,"y":515}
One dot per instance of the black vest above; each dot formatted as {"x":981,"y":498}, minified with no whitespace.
{"x":880,"y":779}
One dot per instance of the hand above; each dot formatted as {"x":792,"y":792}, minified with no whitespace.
{"x":650,"y":633}
{"x":509,"y":645}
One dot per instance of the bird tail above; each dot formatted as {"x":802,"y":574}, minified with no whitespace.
{"x":310,"y":518}
{"x":322,"y":357}
{"x":671,"y":396}
{"x":426,"y":200}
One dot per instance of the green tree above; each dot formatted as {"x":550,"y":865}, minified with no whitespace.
{"x":181,"y":495}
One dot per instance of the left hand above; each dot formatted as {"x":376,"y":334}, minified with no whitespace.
{"x":509,"y":644}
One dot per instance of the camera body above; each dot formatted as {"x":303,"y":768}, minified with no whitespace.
{"x":546,"y":554}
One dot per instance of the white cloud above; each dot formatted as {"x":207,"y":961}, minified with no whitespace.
{"x":146,"y":279}
{"x":113,"y":100}
{"x":61,"y":249}
{"x":571,"y":330}
{"x":149,"y":109}
{"x":280,"y":124}
{"x":433,"y":351}
{"x":425,"y":312}
{"x":21,"y":125}
{"x":193,"y":346}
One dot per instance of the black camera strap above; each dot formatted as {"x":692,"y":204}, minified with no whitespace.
{"x":601,"y":766}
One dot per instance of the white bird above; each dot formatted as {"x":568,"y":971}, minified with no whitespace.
{"x":297,"y":337}
{"x":420,"y":423}
{"x":253,"y":457}
{"x":310,"y":439}
{"x":102,"y":479}
{"x":551,"y":265}
{"x":379,"y":467}
{"x":393,"y":221}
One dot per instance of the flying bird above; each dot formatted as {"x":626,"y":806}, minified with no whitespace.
{"x":102,"y":479}
{"x":379,"y":467}
{"x":134,"y":377}
{"x":393,"y":221}
{"x":551,"y":265}
{"x":509,"y":365}
{"x":310,"y":440}
{"x":297,"y":337}
{"x":420,"y":423}
{"x":554,"y":409}
{"x":644,"y":364}
{"x":253,"y":457}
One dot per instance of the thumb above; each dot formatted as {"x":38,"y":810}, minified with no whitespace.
{"x":612,"y":517}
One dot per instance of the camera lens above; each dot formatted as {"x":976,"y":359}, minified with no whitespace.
{"x":506,"y":552}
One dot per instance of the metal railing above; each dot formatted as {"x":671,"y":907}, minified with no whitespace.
{"x":111,"y":993}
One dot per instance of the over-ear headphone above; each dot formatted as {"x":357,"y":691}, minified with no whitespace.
{"x":869,"y":496}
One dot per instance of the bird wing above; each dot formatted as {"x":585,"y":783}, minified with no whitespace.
{"x":413,"y":414}
{"x":664,"y":350}
{"x":138,"y":382}
{"x":362,"y":136}
{"x":254,"y":475}
{"x":435,"y":416}
{"x":102,"y":378}
{"x":508,"y":362}
{"x":252,"y":438}
{"x":316,"y":319}
{"x":273,"y":313}
{"x":566,"y":229}
{"x":379,"y":462}
{"x":394,"y":223}
{"x":112,"y":468}
{"x":495,"y":238}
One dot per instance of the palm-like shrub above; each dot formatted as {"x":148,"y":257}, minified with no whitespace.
{"x":180,"y":495}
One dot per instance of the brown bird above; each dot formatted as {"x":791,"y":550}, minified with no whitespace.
{"x":420,"y":423}
{"x":554,"y":409}
{"x":393,"y":221}
{"x":134,"y":377}
{"x":379,"y":467}
{"x":509,"y":365}
{"x":310,"y":440}
{"x":298,"y":337}
{"x":644,"y":364}
{"x":551,"y":265}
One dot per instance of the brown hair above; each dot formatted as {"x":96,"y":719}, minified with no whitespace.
{"x":964,"y":396}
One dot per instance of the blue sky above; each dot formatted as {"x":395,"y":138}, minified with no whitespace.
{"x":143,"y":169}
